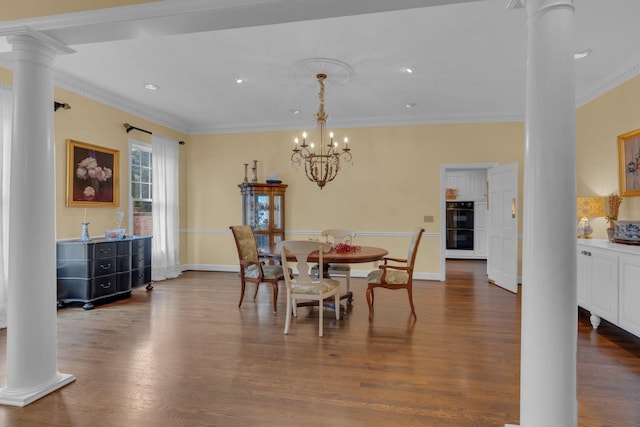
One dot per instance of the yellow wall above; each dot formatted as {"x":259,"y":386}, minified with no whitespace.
{"x":598,"y":125}
{"x":393,"y":184}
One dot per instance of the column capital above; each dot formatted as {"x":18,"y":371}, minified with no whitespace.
{"x":16,"y":34}
{"x":535,"y":7}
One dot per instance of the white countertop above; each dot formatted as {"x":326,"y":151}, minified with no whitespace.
{"x":605,"y":244}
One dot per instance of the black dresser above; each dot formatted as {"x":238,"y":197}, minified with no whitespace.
{"x":100,"y":270}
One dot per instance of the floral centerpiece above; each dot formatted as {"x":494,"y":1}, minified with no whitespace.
{"x":346,"y":248}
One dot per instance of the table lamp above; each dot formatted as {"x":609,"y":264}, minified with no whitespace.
{"x":588,"y":207}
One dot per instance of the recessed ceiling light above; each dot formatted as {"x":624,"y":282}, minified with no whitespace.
{"x":151,"y":86}
{"x":409,"y":70}
{"x":583,"y":54}
{"x":294,"y":111}
{"x":240,"y":80}
{"x":410,"y":104}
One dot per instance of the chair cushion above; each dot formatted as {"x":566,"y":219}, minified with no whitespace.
{"x":394,"y":277}
{"x":327,"y":285}
{"x":268,"y":271}
{"x":344,"y":268}
{"x":333,"y":268}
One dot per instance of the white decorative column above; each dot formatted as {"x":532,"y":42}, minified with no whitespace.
{"x":31,"y":369}
{"x":549,"y":302}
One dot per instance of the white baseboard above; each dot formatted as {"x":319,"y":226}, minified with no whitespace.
{"x":354,"y":273}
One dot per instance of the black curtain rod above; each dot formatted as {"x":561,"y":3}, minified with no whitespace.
{"x":57,"y":105}
{"x":129,"y":128}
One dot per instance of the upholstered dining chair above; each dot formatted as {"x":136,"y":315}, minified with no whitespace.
{"x":305,"y":285}
{"x":395,"y":276}
{"x":252,"y":269}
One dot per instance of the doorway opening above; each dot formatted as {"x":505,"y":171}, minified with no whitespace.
{"x":463,"y":212}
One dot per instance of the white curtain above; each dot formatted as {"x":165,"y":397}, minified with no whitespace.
{"x":165,"y":209}
{"x":6,"y":118}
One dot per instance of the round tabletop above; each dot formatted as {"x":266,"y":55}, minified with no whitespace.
{"x":364,"y":254}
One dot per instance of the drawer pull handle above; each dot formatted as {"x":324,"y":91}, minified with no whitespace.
{"x":105,"y":286}
{"x":105,"y":251}
{"x":105,"y":267}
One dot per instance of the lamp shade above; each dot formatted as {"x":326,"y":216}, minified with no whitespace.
{"x":590,"y":206}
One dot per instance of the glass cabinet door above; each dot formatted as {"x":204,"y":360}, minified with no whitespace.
{"x":277,"y":212}
{"x":262,"y":240}
{"x":262,"y":212}
{"x":263,"y":209}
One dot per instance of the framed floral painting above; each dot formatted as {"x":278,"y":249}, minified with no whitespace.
{"x":92,"y":178}
{"x":629,"y":163}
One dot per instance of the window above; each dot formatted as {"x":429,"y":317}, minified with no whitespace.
{"x":140,"y":192}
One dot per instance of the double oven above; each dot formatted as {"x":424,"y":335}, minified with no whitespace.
{"x":460,"y":226}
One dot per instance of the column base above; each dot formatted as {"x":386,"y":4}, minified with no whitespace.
{"x":23,"y":397}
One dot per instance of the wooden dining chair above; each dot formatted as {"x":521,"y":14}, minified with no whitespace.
{"x":305,"y":285}
{"x":395,"y":276}
{"x":252,"y":268}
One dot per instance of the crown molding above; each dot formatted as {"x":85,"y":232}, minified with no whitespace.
{"x":609,"y":83}
{"x":368,"y":122}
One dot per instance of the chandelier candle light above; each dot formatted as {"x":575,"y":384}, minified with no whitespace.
{"x":321,"y":166}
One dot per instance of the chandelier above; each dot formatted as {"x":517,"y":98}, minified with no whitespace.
{"x":321,"y":163}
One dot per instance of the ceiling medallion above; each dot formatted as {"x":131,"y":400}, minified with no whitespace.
{"x":337,"y":73}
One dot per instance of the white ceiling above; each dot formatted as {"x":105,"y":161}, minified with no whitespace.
{"x":469,"y":59}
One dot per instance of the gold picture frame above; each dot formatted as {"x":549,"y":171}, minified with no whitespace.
{"x":92,"y":175}
{"x":629,"y":163}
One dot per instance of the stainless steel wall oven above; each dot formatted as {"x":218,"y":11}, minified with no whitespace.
{"x":460,"y":225}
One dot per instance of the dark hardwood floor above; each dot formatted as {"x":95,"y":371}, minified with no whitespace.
{"x":185,"y":355}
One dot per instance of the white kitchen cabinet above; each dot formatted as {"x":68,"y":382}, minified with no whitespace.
{"x":471,"y":184}
{"x":608,"y":283}
{"x":629,"y":293}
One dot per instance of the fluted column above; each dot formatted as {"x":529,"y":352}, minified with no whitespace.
{"x":31,"y":368}
{"x":549,"y":302}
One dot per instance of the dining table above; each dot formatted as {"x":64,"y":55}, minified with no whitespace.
{"x":361,"y":254}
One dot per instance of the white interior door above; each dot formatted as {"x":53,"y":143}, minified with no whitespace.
{"x":502,"y":261}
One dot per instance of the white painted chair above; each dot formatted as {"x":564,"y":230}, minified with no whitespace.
{"x":304,"y":286}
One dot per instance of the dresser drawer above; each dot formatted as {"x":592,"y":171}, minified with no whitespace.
{"x":103,"y":286}
{"x":138,"y":260}
{"x":105,"y":250}
{"x":104,"y":266}
{"x":140,"y":276}
{"x":86,"y":269}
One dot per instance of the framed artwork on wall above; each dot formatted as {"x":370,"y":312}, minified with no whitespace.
{"x":92,"y":175}
{"x":629,"y":163}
